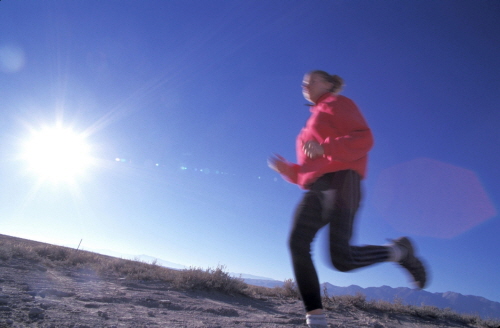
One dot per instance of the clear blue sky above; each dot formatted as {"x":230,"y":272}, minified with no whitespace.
{"x":192,"y":97}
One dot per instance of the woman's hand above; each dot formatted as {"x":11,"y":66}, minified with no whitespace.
{"x":279,"y":164}
{"x":313,"y":149}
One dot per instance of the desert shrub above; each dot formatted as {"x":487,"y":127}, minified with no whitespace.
{"x":427,"y":311}
{"x":53,"y":253}
{"x":83,"y":258}
{"x":385,"y":306}
{"x":260,"y":292}
{"x":288,"y":290}
{"x":399,"y":307}
{"x":20,"y":251}
{"x":5,"y":252}
{"x":345,"y":301}
{"x":358,"y":300}
{"x":432,"y":312}
{"x":136,"y":270}
{"x":470,"y":319}
{"x":210,"y":279}
{"x":491,"y":323}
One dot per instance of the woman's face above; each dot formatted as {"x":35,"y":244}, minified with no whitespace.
{"x":314,"y":86}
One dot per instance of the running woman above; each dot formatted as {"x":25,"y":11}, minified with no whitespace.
{"x":332,"y":154}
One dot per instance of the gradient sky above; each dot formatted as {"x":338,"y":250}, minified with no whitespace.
{"x":182,"y":103}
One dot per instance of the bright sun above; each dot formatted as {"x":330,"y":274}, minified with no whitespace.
{"x":57,"y":154}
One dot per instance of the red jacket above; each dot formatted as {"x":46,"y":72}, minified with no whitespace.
{"x":337,"y":124}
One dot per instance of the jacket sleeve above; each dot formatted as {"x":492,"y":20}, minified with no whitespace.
{"x":292,"y":174}
{"x":353,"y":138}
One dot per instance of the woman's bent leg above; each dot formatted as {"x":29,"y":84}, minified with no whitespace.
{"x":344,"y":256}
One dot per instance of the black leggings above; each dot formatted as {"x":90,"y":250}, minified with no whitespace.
{"x":333,"y":199}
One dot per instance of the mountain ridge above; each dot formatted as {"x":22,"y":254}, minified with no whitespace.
{"x":465,"y":304}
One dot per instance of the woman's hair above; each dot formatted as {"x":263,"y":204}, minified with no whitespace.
{"x":337,"y":81}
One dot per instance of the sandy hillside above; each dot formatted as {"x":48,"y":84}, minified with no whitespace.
{"x":36,"y":294}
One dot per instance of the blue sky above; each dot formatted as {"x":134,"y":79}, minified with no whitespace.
{"x":182,"y":102}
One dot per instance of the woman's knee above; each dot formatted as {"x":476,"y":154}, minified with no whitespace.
{"x":301,"y":237}
{"x":341,"y":266}
{"x":340,"y":258}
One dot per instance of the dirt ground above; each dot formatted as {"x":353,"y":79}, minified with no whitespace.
{"x":34,"y":295}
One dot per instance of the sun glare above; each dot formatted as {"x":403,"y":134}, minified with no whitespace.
{"x":57,"y":154}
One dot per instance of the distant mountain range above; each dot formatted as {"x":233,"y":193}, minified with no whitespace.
{"x":459,"y":303}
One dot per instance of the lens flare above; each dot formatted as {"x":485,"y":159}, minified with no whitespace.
{"x":430,"y":198}
{"x":12,"y":58}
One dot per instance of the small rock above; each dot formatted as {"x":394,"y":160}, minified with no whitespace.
{"x":150,"y":303}
{"x":92,"y":306}
{"x":296,"y":321}
{"x":164,"y":303}
{"x":54,"y":292}
{"x":4,"y":299}
{"x":45,"y":306}
{"x":225,"y":312}
{"x":40,"y":268}
{"x":103,"y":315}
{"x":36,"y":313}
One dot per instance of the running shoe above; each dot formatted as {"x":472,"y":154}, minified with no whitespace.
{"x":316,"y":321}
{"x":411,"y":263}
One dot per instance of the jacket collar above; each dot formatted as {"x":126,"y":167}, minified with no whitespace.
{"x":326,"y":98}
